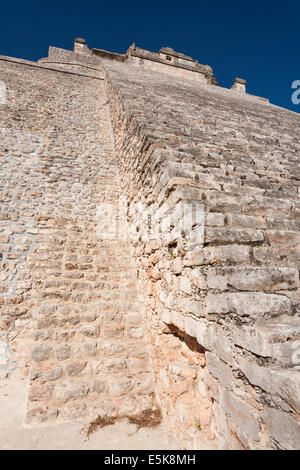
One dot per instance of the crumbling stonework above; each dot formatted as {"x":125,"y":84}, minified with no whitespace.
{"x":210,"y":306}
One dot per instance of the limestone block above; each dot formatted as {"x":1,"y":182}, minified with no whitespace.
{"x":100,"y":386}
{"x":196,"y":307}
{"x":41,"y":352}
{"x":166,"y":316}
{"x":219,"y":369}
{"x":182,"y":370}
{"x":251,"y":304}
{"x":63,"y":352}
{"x":243,"y":414}
{"x":233,"y":253}
{"x":185,"y":285}
{"x":284,"y":383}
{"x":66,"y":391}
{"x":283,"y":428}
{"x":274,"y":340}
{"x":223,"y":236}
{"x":75,"y":368}
{"x":115,"y":364}
{"x":190,"y":326}
{"x":206,"y":336}
{"x":254,"y":279}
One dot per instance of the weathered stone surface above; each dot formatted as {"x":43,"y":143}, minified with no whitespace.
{"x":254,"y":279}
{"x":282,"y":383}
{"x":243,"y":414}
{"x":67,"y":391}
{"x":219,"y":369}
{"x":100,"y":386}
{"x":228,"y":253}
{"x":119,"y":387}
{"x":206,"y":336}
{"x":185,"y":285}
{"x":75,"y":368}
{"x":63,"y":352}
{"x":254,"y":304}
{"x":41,"y":352}
{"x":189,"y":298}
{"x":69,"y":283}
{"x":196,"y":308}
{"x":278,"y":341}
{"x":283,"y":428}
{"x":224,"y":236}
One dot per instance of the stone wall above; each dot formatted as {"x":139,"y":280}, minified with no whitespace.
{"x":150,"y":225}
{"x":223,"y":311}
{"x":159,"y":67}
{"x":71,"y":317}
{"x":70,"y":61}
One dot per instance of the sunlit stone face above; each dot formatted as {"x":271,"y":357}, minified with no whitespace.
{"x":2,"y":92}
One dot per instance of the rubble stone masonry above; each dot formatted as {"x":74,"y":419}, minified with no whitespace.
{"x":206,"y":329}
{"x":69,"y":305}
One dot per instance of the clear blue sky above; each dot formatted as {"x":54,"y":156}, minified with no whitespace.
{"x":257,"y":40}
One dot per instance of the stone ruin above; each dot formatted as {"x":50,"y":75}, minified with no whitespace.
{"x":150,"y":246}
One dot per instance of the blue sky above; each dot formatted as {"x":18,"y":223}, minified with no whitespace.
{"x":258,"y":41}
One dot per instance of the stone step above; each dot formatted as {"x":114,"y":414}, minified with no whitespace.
{"x":279,"y":341}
